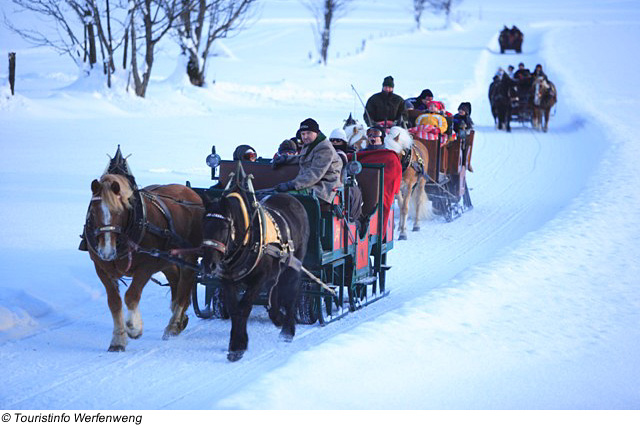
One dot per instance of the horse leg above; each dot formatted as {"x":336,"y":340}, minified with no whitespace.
{"x":419,"y":200}
{"x":403,"y":202}
{"x":289,"y":288}
{"x":546,"y":120}
{"x":119,"y":339}
{"x":274,"y":307}
{"x":184,"y":279}
{"x":134,"y":325}
{"x":239,"y":312}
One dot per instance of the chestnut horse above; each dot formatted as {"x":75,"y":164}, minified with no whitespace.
{"x":543,"y":97}
{"x":415,"y":160}
{"x":124,"y":226}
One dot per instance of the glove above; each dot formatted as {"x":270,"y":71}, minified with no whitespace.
{"x":278,"y":161}
{"x":285,"y":187}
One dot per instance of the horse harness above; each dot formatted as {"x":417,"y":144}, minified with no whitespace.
{"x":266,"y":232}
{"x":138,"y":225}
{"x":412,"y":157}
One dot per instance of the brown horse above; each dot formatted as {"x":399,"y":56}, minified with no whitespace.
{"x":415,"y":159}
{"x":125,"y":227}
{"x":543,"y":97}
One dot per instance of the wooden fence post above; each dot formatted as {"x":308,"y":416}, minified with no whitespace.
{"x":12,"y":71}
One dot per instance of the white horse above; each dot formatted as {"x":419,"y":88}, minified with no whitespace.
{"x":356,"y":135}
{"x":414,"y":178}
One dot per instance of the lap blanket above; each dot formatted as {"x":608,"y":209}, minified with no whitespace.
{"x":392,"y":176}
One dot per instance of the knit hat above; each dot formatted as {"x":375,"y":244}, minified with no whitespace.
{"x":388,"y":81}
{"x":338,"y":133}
{"x":288,"y":146}
{"x":309,"y":125}
{"x":242,"y":152}
{"x":465,"y":106}
{"x":426,"y":93}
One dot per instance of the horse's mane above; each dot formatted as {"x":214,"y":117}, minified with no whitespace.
{"x":398,"y":139}
{"x":119,"y":202}
{"x":355,"y":133}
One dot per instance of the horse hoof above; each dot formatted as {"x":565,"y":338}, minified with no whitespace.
{"x":134,"y":335}
{"x":170,"y":333}
{"x":184,"y":322}
{"x":402,"y":237}
{"x":286,"y":337}
{"x":416,"y":228}
{"x":234,"y":356}
{"x":116,"y":348}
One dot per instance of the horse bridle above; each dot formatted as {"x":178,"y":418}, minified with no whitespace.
{"x":216,"y":244}
{"x":109,"y":228}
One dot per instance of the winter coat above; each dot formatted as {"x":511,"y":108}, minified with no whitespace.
{"x":459,"y":119}
{"x":435,"y":120}
{"x":320,"y":168}
{"x":385,"y":106}
{"x":415,"y":103}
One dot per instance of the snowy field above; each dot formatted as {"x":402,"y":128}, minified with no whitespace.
{"x":529,"y":301}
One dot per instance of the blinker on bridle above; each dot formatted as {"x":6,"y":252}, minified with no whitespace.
{"x":212,"y":243}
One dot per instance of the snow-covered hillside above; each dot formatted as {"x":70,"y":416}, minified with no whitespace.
{"x":529,"y":301}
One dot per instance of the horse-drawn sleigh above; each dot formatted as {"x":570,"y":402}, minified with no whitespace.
{"x":527,"y":100}
{"x":511,"y":39}
{"x":303,"y":259}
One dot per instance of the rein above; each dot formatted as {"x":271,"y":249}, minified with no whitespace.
{"x":131,"y":235}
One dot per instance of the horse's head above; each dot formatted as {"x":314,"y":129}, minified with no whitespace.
{"x":541,"y":88}
{"x":109,"y":213}
{"x":398,"y":139}
{"x":356,"y":135}
{"x":225,"y":228}
{"x":217,"y":228}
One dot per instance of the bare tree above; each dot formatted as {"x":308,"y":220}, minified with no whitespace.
{"x":418,"y":10}
{"x":436,"y":7}
{"x":156,"y":18}
{"x":326,"y":12}
{"x":201,"y":23}
{"x":83,"y":26}
{"x":70,"y":22}
{"x":78,"y":29}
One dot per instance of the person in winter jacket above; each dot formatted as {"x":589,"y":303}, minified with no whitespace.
{"x":320,"y":165}
{"x":375,"y":139}
{"x":433,"y":118}
{"x":385,"y":107}
{"x":538,"y":72}
{"x":244,"y":153}
{"x":463,"y":117}
{"x":419,"y":103}
{"x":338,"y":139}
{"x":287,"y":147}
{"x":522,"y":73}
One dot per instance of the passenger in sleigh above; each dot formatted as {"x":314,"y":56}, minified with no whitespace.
{"x":385,"y":107}
{"x":417,"y":105}
{"x":245,"y":153}
{"x":375,"y":139}
{"x":320,"y":168}
{"x":463,"y":117}
{"x":431,"y":124}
